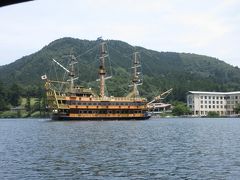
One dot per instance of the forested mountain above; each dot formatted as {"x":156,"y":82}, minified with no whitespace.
{"x":161,"y":70}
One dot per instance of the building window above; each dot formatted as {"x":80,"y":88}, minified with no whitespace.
{"x":213,"y":102}
{"x":209,"y":102}
{"x":209,"y":106}
{"x":217,"y":102}
{"x":201,"y":97}
{"x":221,"y":97}
{"x":213,"y":97}
{"x":213,"y":106}
{"x":201,"y":106}
{"x":205,"y":97}
{"x":217,"y":106}
{"x":217,"y":97}
{"x":201,"y":102}
{"x":206,"y":106}
{"x":209,"y":97}
{"x":205,"y":102}
{"x":221,"y":102}
{"x":236,"y":97}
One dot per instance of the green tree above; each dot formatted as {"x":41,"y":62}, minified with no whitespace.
{"x":15,"y":95}
{"x":28,"y":105}
{"x":3,"y":100}
{"x":180,"y":108}
{"x":212,"y":114}
{"x":237,"y":109}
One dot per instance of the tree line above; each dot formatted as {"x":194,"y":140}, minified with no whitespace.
{"x":12,"y":97}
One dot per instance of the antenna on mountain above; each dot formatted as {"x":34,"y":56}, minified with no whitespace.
{"x":100,"y":38}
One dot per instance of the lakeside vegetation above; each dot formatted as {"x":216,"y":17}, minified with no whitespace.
{"x":19,"y":102}
{"x":21,"y":85}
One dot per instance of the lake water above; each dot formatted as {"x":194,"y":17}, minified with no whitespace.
{"x":171,"y":148}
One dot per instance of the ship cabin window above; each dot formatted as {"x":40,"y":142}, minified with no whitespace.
{"x":73,"y":111}
{"x":70,"y":102}
{"x":66,"y":110}
{"x":59,"y":102}
{"x":104,"y":103}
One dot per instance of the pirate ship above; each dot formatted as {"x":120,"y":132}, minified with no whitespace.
{"x":79,"y":103}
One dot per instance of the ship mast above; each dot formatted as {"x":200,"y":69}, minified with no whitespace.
{"x":102,"y":70}
{"x":70,"y":71}
{"x":136,"y":79}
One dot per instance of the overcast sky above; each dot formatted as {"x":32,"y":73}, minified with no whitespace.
{"x":206,"y":27}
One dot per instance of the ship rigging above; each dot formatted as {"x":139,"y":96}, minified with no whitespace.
{"x":80,"y":103}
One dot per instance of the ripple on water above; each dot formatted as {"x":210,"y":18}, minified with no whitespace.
{"x":153,"y":149}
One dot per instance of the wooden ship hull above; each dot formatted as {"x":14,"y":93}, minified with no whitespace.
{"x":91,"y":108}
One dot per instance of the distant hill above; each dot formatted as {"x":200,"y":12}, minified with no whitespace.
{"x":161,"y":70}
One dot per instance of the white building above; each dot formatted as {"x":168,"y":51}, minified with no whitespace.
{"x":223,"y":103}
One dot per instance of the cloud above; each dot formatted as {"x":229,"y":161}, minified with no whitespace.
{"x":206,"y":27}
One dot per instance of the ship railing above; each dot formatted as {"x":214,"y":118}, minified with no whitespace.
{"x":119,"y":99}
{"x":55,"y":95}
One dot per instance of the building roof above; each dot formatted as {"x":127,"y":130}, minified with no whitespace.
{"x":216,"y":93}
{"x":161,"y":105}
